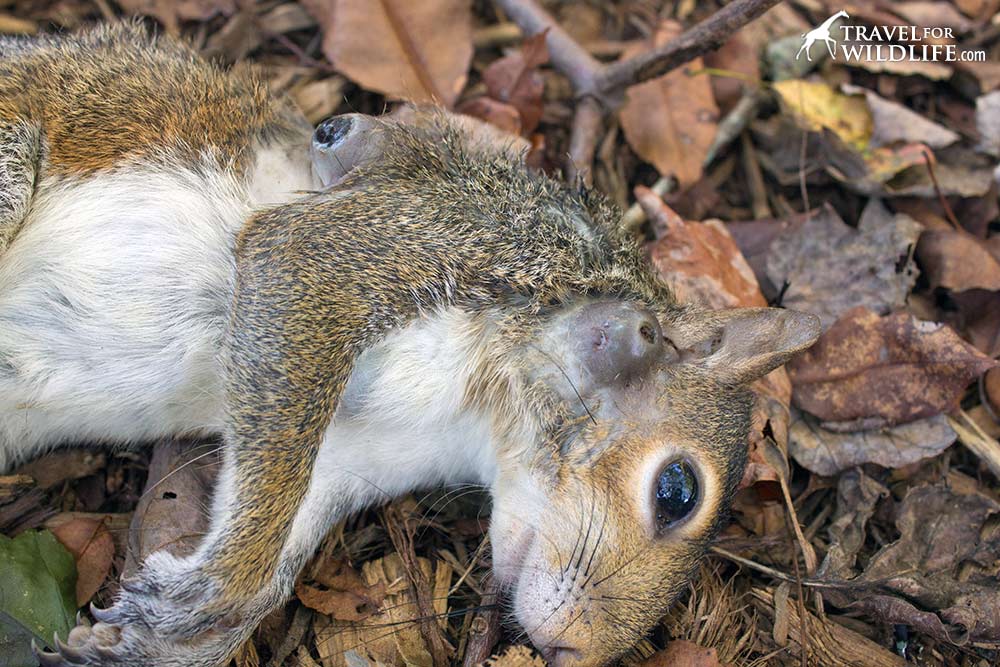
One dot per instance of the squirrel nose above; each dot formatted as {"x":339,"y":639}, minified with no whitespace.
{"x":621,"y":340}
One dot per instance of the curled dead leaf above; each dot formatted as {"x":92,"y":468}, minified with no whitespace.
{"x":827,"y":452}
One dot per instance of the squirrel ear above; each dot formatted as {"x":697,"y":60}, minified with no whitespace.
{"x":342,"y":143}
{"x":739,"y":345}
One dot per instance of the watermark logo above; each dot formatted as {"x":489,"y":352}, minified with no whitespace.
{"x":821,"y":33}
{"x":892,"y":43}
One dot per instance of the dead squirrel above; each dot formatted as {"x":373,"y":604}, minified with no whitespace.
{"x":438,"y":314}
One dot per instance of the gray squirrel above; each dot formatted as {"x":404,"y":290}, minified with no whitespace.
{"x":368,"y":309}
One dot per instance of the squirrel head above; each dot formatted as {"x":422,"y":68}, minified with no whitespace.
{"x":620,"y":417}
{"x":597,"y":527}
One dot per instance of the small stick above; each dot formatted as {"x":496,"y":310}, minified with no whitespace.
{"x":929,"y":160}
{"x":601,"y":88}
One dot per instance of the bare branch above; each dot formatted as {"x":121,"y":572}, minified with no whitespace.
{"x":588,"y":123}
{"x":599,"y":88}
{"x":707,"y":36}
{"x":567,"y":55}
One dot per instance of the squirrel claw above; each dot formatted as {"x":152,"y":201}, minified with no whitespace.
{"x":45,"y":658}
{"x":102,"y":615}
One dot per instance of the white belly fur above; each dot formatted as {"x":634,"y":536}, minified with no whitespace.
{"x":113,"y":300}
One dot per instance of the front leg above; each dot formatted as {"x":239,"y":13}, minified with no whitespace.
{"x":289,"y":360}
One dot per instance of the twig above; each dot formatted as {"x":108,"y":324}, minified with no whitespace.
{"x":707,"y":36}
{"x":601,"y":88}
{"x":929,"y":161}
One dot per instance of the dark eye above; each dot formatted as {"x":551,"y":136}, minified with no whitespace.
{"x":676,"y":494}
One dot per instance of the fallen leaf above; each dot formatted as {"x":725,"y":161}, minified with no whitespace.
{"x":37,"y":579}
{"x":740,"y":56}
{"x":893,"y":123}
{"x":979,"y":317}
{"x":699,"y":260}
{"x":857,"y":496}
{"x":938,"y":576}
{"x":817,"y":106}
{"x":681,"y":653}
{"x":754,"y":239}
{"x":892,"y":369}
{"x":341,"y":593}
{"x":670,"y":121}
{"x":171,"y":12}
{"x":494,"y":112}
{"x":988,"y":122}
{"x":819,"y":258}
{"x":828,"y":452}
{"x":956,"y":259}
{"x":515,"y":80}
{"x":171,"y":512}
{"x":416,"y":51}
{"x":404,"y":644}
{"x":68,"y":465}
{"x":93,"y":550}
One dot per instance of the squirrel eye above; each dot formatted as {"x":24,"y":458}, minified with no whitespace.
{"x":676,"y":494}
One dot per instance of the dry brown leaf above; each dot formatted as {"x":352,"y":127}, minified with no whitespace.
{"x":171,"y":12}
{"x":857,"y":496}
{"x":93,"y":550}
{"x":830,"y":268}
{"x":403,"y":643}
{"x":738,"y":55}
{"x":956,"y":259}
{"x":828,"y":452}
{"x":681,"y":653}
{"x":416,"y":51}
{"x":884,"y":370}
{"x":515,"y":79}
{"x":494,"y":112}
{"x":671,"y":121}
{"x":171,"y":513}
{"x":893,"y":123}
{"x":979,"y":314}
{"x":341,"y":593}
{"x":58,"y":467}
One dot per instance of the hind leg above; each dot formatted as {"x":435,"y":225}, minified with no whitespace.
{"x":20,"y":151}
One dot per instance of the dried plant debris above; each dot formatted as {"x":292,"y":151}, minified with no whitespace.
{"x":872,"y":371}
{"x":417,"y":51}
{"x":827,"y":452}
{"x":827,"y":267}
{"x":940,"y":577}
{"x":671,"y":120}
{"x":864,"y":191}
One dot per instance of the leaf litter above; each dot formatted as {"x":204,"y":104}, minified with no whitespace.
{"x":864,"y":192}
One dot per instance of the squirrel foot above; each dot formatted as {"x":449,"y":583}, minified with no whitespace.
{"x":171,"y":615}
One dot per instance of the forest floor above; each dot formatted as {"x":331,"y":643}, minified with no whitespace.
{"x":847,"y":184}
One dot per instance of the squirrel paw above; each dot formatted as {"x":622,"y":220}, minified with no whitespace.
{"x":167,"y":617}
